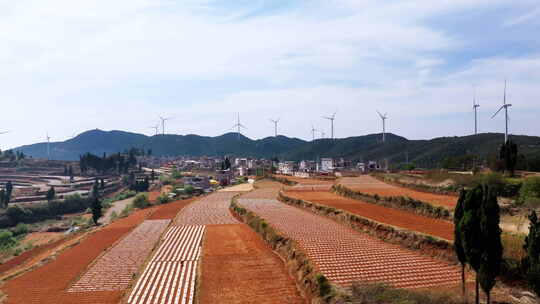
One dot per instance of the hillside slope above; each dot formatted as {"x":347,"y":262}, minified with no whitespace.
{"x":368,"y":147}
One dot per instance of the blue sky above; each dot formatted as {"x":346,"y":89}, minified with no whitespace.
{"x":69,"y":66}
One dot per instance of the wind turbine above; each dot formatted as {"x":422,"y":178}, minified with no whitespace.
{"x":275,"y":125}
{"x":384,"y":118}
{"x":156,"y":128}
{"x":48,"y":146}
{"x":163,"y":120}
{"x":238,"y":125}
{"x":331,"y":118}
{"x":313,"y":130}
{"x":475,"y":107}
{"x":505,"y":106}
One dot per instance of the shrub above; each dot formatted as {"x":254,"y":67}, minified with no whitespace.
{"x":126,"y":211}
{"x":6,"y":239}
{"x":189,"y":189}
{"x":163,"y":199}
{"x":114,"y":215}
{"x":20,"y":229}
{"x":530,"y":191}
{"x":141,"y":201}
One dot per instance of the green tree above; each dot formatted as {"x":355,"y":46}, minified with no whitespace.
{"x":470,"y":231}
{"x":458,"y":244}
{"x":531,"y":262}
{"x":479,"y":234}
{"x":96,"y":210}
{"x":51,"y":194}
{"x":509,"y":155}
{"x":492,"y":249}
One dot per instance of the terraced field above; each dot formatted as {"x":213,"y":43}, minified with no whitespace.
{"x":49,"y":283}
{"x":381,"y":214}
{"x":210,"y":210}
{"x":346,"y":256}
{"x":370,"y":185}
{"x":115,"y":269}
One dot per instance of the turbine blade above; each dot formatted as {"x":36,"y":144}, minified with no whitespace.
{"x":497,"y":111}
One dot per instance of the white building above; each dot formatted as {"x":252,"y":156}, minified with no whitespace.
{"x":286,"y":167}
{"x":327,"y":165}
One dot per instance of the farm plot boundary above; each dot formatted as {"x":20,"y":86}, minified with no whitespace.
{"x":433,"y":246}
{"x":313,"y":284}
{"x":397,"y":202}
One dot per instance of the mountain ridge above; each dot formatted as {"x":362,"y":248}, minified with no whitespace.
{"x":365,"y":147}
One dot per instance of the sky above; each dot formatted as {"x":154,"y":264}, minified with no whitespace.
{"x":70,"y":66}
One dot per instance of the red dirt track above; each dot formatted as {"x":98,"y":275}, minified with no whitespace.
{"x":371,"y":185}
{"x":237,"y":267}
{"x":48,"y":283}
{"x":381,"y":214}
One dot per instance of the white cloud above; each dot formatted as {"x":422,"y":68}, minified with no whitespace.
{"x":71,"y":65}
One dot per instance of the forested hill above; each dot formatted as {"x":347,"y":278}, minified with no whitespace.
{"x":368,"y":147}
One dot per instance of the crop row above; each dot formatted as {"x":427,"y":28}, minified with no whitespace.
{"x":345,"y":256}
{"x":210,"y":210}
{"x":170,"y":275}
{"x":166,"y":282}
{"x":115,"y":269}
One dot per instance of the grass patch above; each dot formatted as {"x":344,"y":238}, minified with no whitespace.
{"x":382,"y":294}
{"x":513,"y":246}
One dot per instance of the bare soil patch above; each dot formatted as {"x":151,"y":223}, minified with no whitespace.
{"x":170,"y":210}
{"x":370,"y":185}
{"x":237,"y":267}
{"x":42,"y":238}
{"x":390,"y":216}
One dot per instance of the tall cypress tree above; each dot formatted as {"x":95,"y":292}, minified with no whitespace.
{"x":470,"y":231}
{"x":531,"y":262}
{"x":492,"y":249}
{"x":458,"y":244}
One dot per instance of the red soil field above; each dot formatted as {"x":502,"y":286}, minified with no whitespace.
{"x":210,"y":210}
{"x":48,"y":283}
{"x":237,"y":267}
{"x":390,"y":216}
{"x":115,"y":269}
{"x":346,"y":256}
{"x":24,"y":257}
{"x":370,"y":185}
{"x":170,"y":210}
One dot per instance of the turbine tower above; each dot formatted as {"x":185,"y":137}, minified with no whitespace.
{"x":331,"y":118}
{"x":313,"y":130}
{"x":238,"y":125}
{"x":383,"y":118}
{"x":48,"y":147}
{"x":156,"y":128}
{"x":505,"y":106}
{"x":475,"y":108}
{"x":163,"y":120}
{"x":275,"y":125}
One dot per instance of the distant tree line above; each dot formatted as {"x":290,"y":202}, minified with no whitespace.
{"x":118,"y":162}
{"x":12,"y":156}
